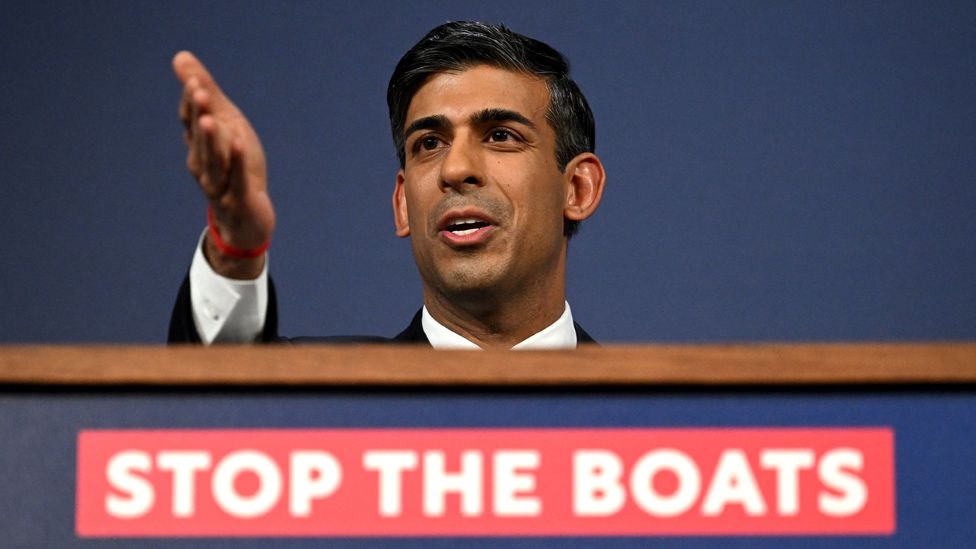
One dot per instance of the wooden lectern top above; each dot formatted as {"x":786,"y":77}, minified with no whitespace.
{"x":391,"y":365}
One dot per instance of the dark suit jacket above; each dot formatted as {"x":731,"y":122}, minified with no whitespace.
{"x":183,"y":330}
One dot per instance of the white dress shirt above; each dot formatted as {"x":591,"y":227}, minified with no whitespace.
{"x":226,"y":310}
{"x":561,"y":334}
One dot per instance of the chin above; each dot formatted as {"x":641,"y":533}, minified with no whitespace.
{"x":473,"y":282}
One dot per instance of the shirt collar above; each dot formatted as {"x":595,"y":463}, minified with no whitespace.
{"x":561,"y":334}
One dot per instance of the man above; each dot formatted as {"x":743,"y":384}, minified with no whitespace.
{"x":497,"y":170}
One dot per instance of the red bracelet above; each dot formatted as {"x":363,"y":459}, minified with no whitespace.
{"x":226,"y":248}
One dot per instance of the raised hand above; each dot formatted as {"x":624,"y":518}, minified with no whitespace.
{"x":225,"y":156}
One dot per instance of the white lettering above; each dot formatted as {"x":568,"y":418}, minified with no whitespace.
{"x":511,"y":486}
{"x":184,"y":466}
{"x":854,"y":493}
{"x":642,"y":482}
{"x":269,"y":484}
{"x":597,"y":491}
{"x":438,"y":483}
{"x":391,"y":464}
{"x":787,"y":464}
{"x":120,"y":474}
{"x":314,"y":475}
{"x":733,"y":482}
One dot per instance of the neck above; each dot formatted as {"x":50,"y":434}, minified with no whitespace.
{"x":492,"y":321}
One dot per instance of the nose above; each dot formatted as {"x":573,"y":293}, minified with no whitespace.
{"x":461,"y":167}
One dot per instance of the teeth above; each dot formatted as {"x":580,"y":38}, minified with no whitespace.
{"x":465,"y":220}
{"x":465,"y":225}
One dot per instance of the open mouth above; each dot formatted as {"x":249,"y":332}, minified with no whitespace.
{"x":465,"y":226}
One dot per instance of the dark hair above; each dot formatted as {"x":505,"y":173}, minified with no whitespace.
{"x":459,"y":45}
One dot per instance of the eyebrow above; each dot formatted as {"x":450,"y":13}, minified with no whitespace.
{"x":434,"y":122}
{"x":500,"y":115}
{"x":484,"y":116}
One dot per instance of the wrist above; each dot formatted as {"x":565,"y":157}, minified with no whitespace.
{"x":226,"y":248}
{"x":247,"y":268}
{"x":229,"y":260}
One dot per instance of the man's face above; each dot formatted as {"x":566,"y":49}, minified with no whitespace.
{"x":481,"y":195}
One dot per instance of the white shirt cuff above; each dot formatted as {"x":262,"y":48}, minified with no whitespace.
{"x":226,"y":310}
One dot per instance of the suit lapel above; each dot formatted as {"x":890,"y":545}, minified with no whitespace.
{"x":582,"y":336}
{"x":414,"y":333}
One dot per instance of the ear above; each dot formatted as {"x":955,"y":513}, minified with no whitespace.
{"x":584,"y":186}
{"x":401,"y":219}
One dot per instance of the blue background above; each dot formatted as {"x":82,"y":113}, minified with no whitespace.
{"x":778,"y":170}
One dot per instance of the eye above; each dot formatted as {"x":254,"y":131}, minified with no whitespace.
{"x":500,"y":136}
{"x":426,"y":143}
{"x":429,"y":143}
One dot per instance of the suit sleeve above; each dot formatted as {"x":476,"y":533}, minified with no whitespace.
{"x":182,"y":328}
{"x":213,"y":309}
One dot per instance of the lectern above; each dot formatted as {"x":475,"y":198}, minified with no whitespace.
{"x":701,"y":446}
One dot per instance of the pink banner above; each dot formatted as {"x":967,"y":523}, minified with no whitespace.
{"x":485,"y":482}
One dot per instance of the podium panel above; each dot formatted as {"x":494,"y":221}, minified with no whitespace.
{"x":741,"y":455}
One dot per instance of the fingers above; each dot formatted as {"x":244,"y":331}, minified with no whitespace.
{"x":215,"y":156}
{"x":208,"y":141}
{"x":189,"y":108}
{"x":207,"y":117}
{"x":188,"y":68}
{"x":210,"y":156}
{"x":223,"y":152}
